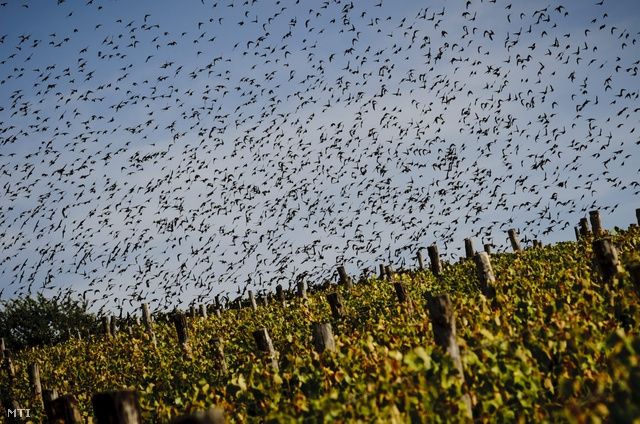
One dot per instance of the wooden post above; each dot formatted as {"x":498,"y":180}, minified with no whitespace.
{"x":487,"y":248}
{"x":180,"y":322}
{"x":485,"y":274}
{"x":345,"y":280}
{"x":147,"y":320}
{"x":335,"y":302}
{"x":584,"y":227}
{"x":323,"y":337}
{"x":8,"y":366}
{"x":212,"y":416}
{"x":192,"y":311}
{"x":634,"y":273}
{"x":120,"y":407}
{"x":382,"y":272}
{"x":596,"y":223}
{"x":577,"y":232}
{"x":112,"y":325}
{"x":638,"y":215}
{"x":64,"y":409}
{"x":434,"y":258}
{"x":420,"y":260}
{"x":106,"y":329}
{"x":403,"y":297}
{"x":443,"y":323}
{"x":265,"y":345}
{"x":203,"y":310}
{"x":468,"y":248}
{"x":34,"y":379}
{"x":606,"y":257}
{"x":252,"y":300}
{"x":302,"y":290}
{"x":280,"y":295}
{"x":388,"y":270}
{"x":515,"y":243}
{"x":48,"y":396}
{"x":217,"y":347}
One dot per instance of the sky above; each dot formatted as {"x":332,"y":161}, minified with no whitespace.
{"x":166,"y":152}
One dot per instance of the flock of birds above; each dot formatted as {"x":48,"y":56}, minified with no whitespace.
{"x":204,"y":146}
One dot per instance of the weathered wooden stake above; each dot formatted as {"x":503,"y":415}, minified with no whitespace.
{"x":468,"y":248}
{"x":638,"y":215}
{"x":48,"y":396}
{"x":106,"y":329}
{"x":34,"y":379}
{"x":382,"y":272}
{"x":217,"y":347}
{"x":212,"y":416}
{"x":120,"y":407}
{"x":265,"y":345}
{"x":577,"y":232}
{"x":485,"y":274}
{"x":584,"y":227}
{"x":192,"y":311}
{"x":112,"y":325}
{"x":388,"y":270}
{"x":606,"y":257}
{"x":9,"y":368}
{"x":203,"y":311}
{"x":345,"y":280}
{"x":280,"y":295}
{"x":403,"y":297}
{"x":64,"y":409}
{"x":302,"y":290}
{"x":252,"y":300}
{"x":434,"y":258}
{"x":180,"y":322}
{"x":443,"y":324}
{"x":596,"y":223}
{"x":420,"y":260}
{"x":335,"y":302}
{"x":487,"y":248}
{"x":147,"y":320}
{"x":323,"y":337}
{"x":515,"y":243}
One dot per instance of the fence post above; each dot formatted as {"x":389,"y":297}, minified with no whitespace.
{"x":382,"y":272}
{"x":345,"y":280}
{"x":515,"y":243}
{"x":638,"y":215}
{"x":596,"y":224}
{"x":577,"y":232}
{"x":487,"y":248}
{"x":265,"y":345}
{"x":180,"y":322}
{"x":434,"y":259}
{"x":203,"y":310}
{"x":335,"y":302}
{"x":34,"y":379}
{"x":584,"y":227}
{"x":420,"y":260}
{"x":147,"y":320}
{"x":112,"y":325}
{"x":48,"y":396}
{"x":443,"y":324}
{"x":252,"y":300}
{"x":106,"y":329}
{"x":606,"y":257}
{"x":65,"y":409}
{"x":388,"y":269}
{"x":403,"y":297}
{"x":323,"y":337}
{"x":485,"y":274}
{"x":302,"y":290}
{"x":280,"y":295}
{"x":212,"y":416}
{"x":218,"y":352}
{"x":119,"y":407}
{"x":468,"y":248}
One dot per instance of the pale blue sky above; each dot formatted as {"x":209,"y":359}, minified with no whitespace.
{"x":169,"y":151}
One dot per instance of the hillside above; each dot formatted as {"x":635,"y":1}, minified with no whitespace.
{"x":556,"y":343}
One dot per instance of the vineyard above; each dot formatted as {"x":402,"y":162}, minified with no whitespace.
{"x":550,"y":333}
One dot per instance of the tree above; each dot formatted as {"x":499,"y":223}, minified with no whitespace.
{"x":29,"y":321}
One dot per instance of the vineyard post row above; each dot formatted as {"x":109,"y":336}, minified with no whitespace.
{"x":123,"y":407}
